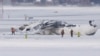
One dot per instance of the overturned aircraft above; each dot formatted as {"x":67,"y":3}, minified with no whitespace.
{"x":52,"y":27}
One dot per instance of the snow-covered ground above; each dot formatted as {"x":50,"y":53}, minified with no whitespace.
{"x":48,"y":45}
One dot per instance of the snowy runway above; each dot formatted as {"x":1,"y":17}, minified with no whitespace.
{"x":48,"y":52}
{"x":74,"y":43}
{"x":61,"y":47}
{"x":48,"y":45}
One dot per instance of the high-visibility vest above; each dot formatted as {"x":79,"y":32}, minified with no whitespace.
{"x":79,"y":34}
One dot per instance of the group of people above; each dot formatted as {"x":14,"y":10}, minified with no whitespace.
{"x":62,"y":32}
{"x":13,"y":30}
{"x":71,"y":31}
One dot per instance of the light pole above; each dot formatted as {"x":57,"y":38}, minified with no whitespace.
{"x":2,"y":8}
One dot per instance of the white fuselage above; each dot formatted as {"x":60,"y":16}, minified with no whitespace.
{"x":83,"y":29}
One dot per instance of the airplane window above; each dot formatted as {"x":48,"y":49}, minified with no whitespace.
{"x":25,"y":25}
{"x":28,"y":29}
{"x":71,"y":26}
{"x":22,"y":28}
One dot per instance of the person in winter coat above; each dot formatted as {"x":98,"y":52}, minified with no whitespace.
{"x":62,"y":32}
{"x":13,"y":31}
{"x":71,"y":32}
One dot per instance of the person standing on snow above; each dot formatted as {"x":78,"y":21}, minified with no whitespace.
{"x":62,"y":32}
{"x":13,"y":31}
{"x":71,"y":32}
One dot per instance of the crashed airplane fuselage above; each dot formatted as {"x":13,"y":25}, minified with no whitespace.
{"x":52,"y":27}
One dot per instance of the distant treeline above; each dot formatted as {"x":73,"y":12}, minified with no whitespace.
{"x":95,"y":1}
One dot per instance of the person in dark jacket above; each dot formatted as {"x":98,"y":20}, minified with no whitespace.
{"x":71,"y":32}
{"x":62,"y":32}
{"x":13,"y":31}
